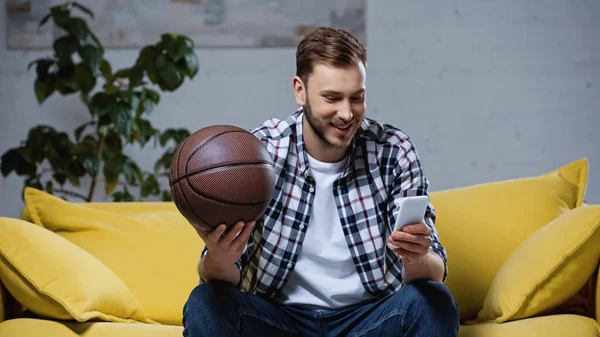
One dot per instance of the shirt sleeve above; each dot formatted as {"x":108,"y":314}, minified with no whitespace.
{"x":410,"y":180}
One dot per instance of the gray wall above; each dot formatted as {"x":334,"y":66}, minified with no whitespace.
{"x":489,"y":90}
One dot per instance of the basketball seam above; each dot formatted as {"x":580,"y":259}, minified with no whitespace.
{"x":209,"y":139}
{"x":210,"y":168}
{"x":192,"y":208}
{"x":189,"y":206}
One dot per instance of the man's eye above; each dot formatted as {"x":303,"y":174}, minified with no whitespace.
{"x":331,"y":99}
{"x":358,"y":99}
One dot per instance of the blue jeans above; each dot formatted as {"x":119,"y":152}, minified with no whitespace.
{"x":422,"y":308}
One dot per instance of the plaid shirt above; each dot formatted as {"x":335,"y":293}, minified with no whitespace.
{"x":383,"y":166}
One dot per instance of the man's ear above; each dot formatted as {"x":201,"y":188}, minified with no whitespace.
{"x":299,"y":90}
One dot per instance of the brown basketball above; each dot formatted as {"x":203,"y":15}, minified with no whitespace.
{"x":221,"y":174}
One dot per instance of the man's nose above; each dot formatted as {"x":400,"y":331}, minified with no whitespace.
{"x":345,"y":111}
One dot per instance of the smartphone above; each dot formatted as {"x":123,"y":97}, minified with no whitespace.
{"x":412,"y":211}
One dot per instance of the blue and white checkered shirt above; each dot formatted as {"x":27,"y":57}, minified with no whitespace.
{"x":383,"y":166}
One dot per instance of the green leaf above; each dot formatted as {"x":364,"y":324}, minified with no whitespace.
{"x":85,"y":79}
{"x":60,"y":15}
{"x":169,"y":77}
{"x":123,"y":196}
{"x":177,"y":135}
{"x":50,"y":187}
{"x":191,"y":63}
{"x":66,"y":81}
{"x":174,"y":46}
{"x":60,"y":177}
{"x":106,"y":70}
{"x":135,"y":76}
{"x":43,"y":67}
{"x":64,"y":48}
{"x":143,"y":131}
{"x":146,"y":60}
{"x":110,"y":184}
{"x":85,"y":98}
{"x":87,"y":147}
{"x":91,"y":165}
{"x":167,"y":196}
{"x":73,"y":179}
{"x":122,"y":118}
{"x":123,"y":73}
{"x":112,"y":144}
{"x":132,"y":172}
{"x":78,"y":28}
{"x":152,"y":95}
{"x":76,"y":168}
{"x":41,"y":91}
{"x":113,"y":167}
{"x":101,"y":103}
{"x":91,"y":57}
{"x":150,"y":186}
{"x":83,"y":8}
{"x":164,"y":162}
{"x":10,"y":160}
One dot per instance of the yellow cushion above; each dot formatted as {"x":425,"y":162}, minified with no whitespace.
{"x":548,"y":268}
{"x":481,"y":225}
{"x":54,"y":278}
{"x":155,"y":253}
{"x":547,"y":326}
{"x":120,"y":207}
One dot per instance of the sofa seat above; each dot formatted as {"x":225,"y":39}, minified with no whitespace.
{"x":546,"y":326}
{"x":31,"y":327}
{"x":549,"y":326}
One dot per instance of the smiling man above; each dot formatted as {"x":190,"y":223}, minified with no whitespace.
{"x":319,"y":262}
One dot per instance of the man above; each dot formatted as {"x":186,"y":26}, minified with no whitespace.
{"x":319,"y":263}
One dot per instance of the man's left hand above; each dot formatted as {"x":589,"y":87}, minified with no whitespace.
{"x":412,"y":242}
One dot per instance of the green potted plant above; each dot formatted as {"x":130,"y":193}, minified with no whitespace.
{"x":118,"y":103}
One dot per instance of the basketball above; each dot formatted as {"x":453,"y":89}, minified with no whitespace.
{"x":221,"y":174}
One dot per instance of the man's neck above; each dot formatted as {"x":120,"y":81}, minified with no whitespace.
{"x":319,"y":149}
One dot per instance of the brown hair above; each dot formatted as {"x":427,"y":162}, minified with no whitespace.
{"x":329,"y":46}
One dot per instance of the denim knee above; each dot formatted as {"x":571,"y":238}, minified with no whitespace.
{"x":209,"y":309}
{"x":434,"y":297}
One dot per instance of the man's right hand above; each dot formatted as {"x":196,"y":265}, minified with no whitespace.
{"x":224,"y":250}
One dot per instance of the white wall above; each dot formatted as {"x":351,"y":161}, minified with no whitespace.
{"x":489,"y":90}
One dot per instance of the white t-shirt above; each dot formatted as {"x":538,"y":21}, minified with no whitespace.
{"x":325,"y":276}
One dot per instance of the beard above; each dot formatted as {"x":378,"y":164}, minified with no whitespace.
{"x":320,"y":127}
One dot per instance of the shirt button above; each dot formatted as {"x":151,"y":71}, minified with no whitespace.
{"x":289,"y":265}
{"x":301,"y":226}
{"x":311,"y":190}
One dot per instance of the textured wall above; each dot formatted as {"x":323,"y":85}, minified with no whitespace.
{"x":488,"y":90}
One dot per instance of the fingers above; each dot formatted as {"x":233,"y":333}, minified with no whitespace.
{"x":420,"y":229}
{"x":242,"y":238}
{"x":398,"y":236}
{"x":411,"y":247}
{"x":233,"y":233}
{"x":216,"y":234}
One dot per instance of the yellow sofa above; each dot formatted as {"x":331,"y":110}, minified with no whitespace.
{"x":523,"y":261}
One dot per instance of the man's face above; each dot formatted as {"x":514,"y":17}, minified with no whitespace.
{"x":334,"y":104}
